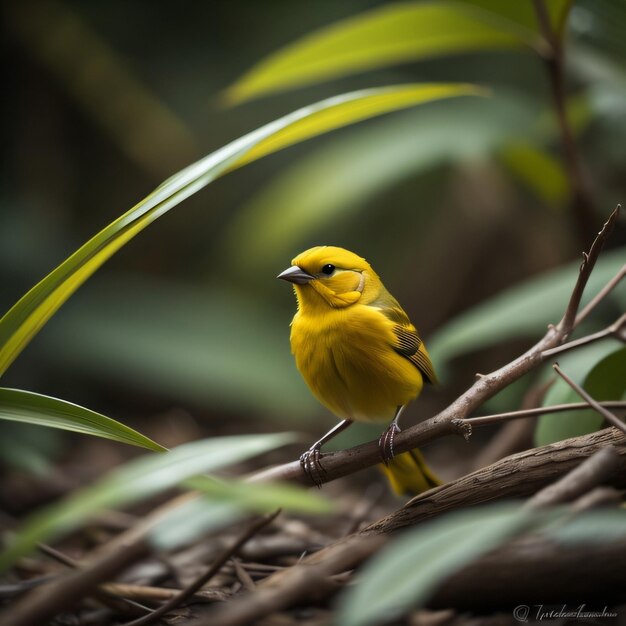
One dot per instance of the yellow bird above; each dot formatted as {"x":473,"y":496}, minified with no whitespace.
{"x":359,"y":354}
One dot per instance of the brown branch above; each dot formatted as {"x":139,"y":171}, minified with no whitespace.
{"x":566,"y":325}
{"x":594,"y":404}
{"x":516,"y":476}
{"x":453,"y":419}
{"x":582,"y":202}
{"x":541,"y":410}
{"x":204,"y":578}
{"x":617,"y":329}
{"x":603,"y":293}
{"x":597,"y":469}
{"x":42,"y":603}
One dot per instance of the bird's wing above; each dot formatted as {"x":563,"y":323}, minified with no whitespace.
{"x":407,"y":342}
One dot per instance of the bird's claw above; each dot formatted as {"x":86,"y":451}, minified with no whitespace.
{"x":311,"y":465}
{"x":385,"y":443}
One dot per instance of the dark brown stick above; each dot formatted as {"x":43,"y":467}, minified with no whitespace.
{"x":516,"y":476}
{"x":43,"y":602}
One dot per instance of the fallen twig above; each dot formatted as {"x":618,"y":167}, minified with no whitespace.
{"x":206,"y":576}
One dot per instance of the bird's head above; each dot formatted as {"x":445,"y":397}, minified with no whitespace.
{"x":327,"y":276}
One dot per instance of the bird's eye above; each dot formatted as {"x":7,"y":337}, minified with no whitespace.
{"x":328,"y":269}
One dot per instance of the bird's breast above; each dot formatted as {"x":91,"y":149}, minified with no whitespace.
{"x":347,"y":360}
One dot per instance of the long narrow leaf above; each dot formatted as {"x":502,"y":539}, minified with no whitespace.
{"x":404,"y":574}
{"x":395,"y":33}
{"x":30,"y":313}
{"x":136,"y":481}
{"x":33,"y":408}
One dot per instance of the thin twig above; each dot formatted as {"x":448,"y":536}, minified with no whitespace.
{"x":541,"y":410}
{"x":616,"y":329}
{"x":106,"y":596}
{"x":202,"y":580}
{"x":594,"y":404}
{"x":566,"y":325}
{"x":603,"y":293}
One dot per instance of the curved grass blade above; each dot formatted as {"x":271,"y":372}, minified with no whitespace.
{"x":33,"y":408}
{"x":397,"y":33}
{"x":135,"y":481}
{"x":34,"y":309}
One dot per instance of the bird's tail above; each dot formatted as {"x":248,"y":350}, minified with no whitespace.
{"x":409,"y":475}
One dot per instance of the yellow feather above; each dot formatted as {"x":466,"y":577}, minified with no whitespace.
{"x":355,"y":346}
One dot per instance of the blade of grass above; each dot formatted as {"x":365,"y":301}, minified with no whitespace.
{"x":34,"y":309}
{"x":33,"y":408}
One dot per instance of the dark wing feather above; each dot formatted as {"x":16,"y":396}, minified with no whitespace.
{"x":408,"y":343}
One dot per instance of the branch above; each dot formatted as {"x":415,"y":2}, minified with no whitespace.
{"x":603,"y":293}
{"x":617,"y":330}
{"x":567,"y":324}
{"x":541,"y":410}
{"x":516,"y":476}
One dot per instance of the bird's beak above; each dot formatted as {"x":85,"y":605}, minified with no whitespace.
{"x":295,"y":274}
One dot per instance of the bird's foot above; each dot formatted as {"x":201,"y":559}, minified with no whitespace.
{"x":311,"y":465}
{"x":385,"y":443}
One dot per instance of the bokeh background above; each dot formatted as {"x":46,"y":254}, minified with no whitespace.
{"x":184,"y":332}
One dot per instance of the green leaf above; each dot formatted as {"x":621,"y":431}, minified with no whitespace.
{"x":603,"y":526}
{"x":33,"y":408}
{"x":183,"y":524}
{"x":521,"y":311}
{"x":602,"y":369}
{"x":410,"y":568}
{"x":224,"y":503}
{"x":134,"y":482}
{"x":265,"y":497}
{"x":397,"y":33}
{"x":34,"y":309}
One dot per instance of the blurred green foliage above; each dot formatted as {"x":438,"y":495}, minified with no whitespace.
{"x":453,"y":203}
